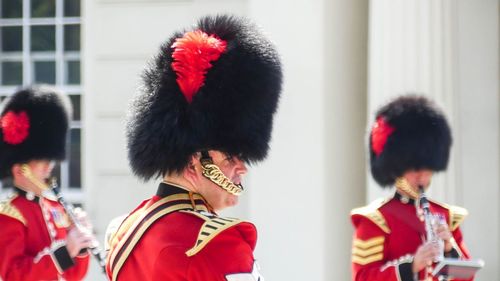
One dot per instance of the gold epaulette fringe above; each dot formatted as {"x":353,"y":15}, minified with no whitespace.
{"x":457,"y":216}
{"x":212,"y":226}
{"x":7,"y":209}
{"x":372,"y":213}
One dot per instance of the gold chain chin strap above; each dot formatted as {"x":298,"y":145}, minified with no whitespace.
{"x":26,"y":171}
{"x":403,"y":185}
{"x":213,"y":173}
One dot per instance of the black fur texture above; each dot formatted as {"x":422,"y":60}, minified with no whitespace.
{"x":232,"y":112}
{"x":421,"y":140}
{"x":48,"y":112}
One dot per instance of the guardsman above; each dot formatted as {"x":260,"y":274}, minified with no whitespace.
{"x":37,"y":240}
{"x":206,"y":110}
{"x":409,"y":141}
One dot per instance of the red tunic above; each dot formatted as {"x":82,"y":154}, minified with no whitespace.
{"x":33,"y":247}
{"x":387,"y":235}
{"x":184,"y":243}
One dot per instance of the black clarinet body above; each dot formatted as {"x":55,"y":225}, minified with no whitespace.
{"x":69,"y":208}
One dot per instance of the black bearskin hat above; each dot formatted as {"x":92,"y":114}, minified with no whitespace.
{"x":409,"y":133}
{"x":34,"y":124}
{"x":215,"y":86}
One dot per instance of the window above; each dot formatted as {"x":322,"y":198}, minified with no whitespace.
{"x":40,"y":43}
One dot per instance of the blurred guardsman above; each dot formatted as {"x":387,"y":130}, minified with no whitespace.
{"x":37,"y":240}
{"x":409,"y":141}
{"x":205,"y":112}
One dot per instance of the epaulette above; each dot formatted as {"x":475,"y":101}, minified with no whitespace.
{"x":456,"y":214}
{"x":9,"y":210}
{"x":212,"y":226}
{"x":372,"y":213}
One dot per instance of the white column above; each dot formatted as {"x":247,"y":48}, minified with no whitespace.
{"x":478,"y":97}
{"x":301,"y":196}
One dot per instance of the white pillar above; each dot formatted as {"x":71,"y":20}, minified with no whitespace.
{"x":301,"y":196}
{"x":478,"y":97}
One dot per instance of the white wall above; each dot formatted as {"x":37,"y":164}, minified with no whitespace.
{"x":478,"y":98}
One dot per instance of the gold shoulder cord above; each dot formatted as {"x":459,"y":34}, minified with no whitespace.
{"x":213,"y":173}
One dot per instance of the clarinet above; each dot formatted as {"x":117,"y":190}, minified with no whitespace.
{"x":428,"y":220}
{"x":69,"y":208}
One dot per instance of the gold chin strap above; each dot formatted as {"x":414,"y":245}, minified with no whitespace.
{"x":214,"y":174}
{"x":403,"y":185}
{"x":26,"y":171}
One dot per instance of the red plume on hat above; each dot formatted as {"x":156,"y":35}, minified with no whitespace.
{"x":193,"y":54}
{"x":15,"y":127}
{"x":380,"y":132}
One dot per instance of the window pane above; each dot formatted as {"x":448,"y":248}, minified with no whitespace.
{"x":75,"y":102}
{"x":12,"y":73}
{"x":12,"y":9}
{"x":43,"y":38}
{"x":72,"y":37}
{"x":74,"y":159}
{"x":43,"y":8}
{"x":71,"y":8}
{"x":73,"y":72}
{"x":45,"y":72}
{"x":12,"y":38}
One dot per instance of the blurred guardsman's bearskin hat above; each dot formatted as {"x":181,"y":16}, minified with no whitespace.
{"x":215,"y":86}
{"x":34,"y":124}
{"x":409,"y":133}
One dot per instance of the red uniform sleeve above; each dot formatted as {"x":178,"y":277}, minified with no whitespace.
{"x":47,"y":264}
{"x":459,"y":249}
{"x":79,"y":270}
{"x":227,"y":254}
{"x":459,"y":245}
{"x":368,"y":257}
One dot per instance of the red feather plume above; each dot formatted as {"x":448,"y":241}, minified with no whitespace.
{"x":15,"y":127}
{"x":380,"y":132}
{"x":192,"y":56}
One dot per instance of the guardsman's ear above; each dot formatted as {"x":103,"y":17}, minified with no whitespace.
{"x":194,"y":164}
{"x":16,"y":171}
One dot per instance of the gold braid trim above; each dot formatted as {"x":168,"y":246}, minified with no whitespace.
{"x":368,"y":251}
